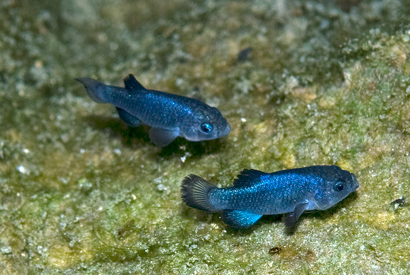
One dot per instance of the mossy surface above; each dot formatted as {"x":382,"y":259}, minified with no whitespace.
{"x":326,"y":82}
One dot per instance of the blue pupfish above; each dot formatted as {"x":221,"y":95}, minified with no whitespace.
{"x":168,"y":115}
{"x":255,"y":193}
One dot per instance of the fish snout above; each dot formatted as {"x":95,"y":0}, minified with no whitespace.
{"x":355,"y":182}
{"x":225,"y":131}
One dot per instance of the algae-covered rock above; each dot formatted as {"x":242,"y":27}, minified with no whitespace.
{"x":326,"y":82}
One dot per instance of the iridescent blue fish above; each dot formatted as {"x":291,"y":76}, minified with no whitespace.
{"x":168,"y":115}
{"x":256,"y":193}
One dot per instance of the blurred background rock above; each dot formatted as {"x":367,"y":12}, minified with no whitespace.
{"x":320,"y":82}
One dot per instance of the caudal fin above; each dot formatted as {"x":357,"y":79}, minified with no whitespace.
{"x":95,"y":89}
{"x":195,"y":193}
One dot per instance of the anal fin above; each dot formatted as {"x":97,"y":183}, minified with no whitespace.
{"x":128,"y":118}
{"x":239,"y":219}
{"x":162,"y":137}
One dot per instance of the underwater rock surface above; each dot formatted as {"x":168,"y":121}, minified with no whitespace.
{"x":326,"y":82}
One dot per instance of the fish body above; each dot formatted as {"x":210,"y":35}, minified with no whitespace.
{"x":169,"y":115}
{"x":257,"y":193}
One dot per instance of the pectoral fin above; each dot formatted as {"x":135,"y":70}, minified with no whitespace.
{"x":162,"y":137}
{"x":292,"y":217}
{"x":128,"y":118}
{"x":239,"y":219}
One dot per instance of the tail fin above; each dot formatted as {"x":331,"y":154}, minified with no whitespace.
{"x":195,"y":193}
{"x":95,"y":89}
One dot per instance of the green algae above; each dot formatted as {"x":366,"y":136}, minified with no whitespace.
{"x":327,"y":82}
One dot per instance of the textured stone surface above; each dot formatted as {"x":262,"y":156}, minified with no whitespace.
{"x":326,"y":82}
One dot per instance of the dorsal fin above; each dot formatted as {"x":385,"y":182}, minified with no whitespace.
{"x":132,"y":84}
{"x":248,"y":177}
{"x":198,"y":96}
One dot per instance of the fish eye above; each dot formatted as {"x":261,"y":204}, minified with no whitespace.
{"x":206,"y":128}
{"x":339,"y":186}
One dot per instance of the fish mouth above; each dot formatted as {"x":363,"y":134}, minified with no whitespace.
{"x":225,"y":131}
{"x":355,"y":182}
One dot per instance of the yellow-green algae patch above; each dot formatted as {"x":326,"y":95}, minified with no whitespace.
{"x":326,"y":82}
